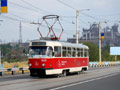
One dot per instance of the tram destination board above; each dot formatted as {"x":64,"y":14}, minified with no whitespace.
{"x":39,"y":43}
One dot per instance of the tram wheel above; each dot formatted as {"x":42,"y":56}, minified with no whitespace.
{"x":78,"y":72}
{"x":64,"y":73}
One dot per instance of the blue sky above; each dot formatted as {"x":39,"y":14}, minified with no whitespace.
{"x":28,"y":11}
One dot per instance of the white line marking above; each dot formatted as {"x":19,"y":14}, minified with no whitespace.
{"x":83,"y":82}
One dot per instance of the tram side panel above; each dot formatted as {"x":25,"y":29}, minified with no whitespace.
{"x":57,"y":65}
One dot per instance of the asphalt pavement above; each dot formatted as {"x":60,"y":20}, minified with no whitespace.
{"x":107,"y":78}
{"x":109,"y":82}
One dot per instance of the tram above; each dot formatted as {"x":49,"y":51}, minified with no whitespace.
{"x":55,"y":57}
{"x":49,"y":56}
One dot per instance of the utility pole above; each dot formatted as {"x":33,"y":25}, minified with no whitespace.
{"x":77,"y":15}
{"x":0,"y":56}
{"x":20,"y":33}
{"x":77,"y":19}
{"x":0,"y":51}
{"x":0,"y":44}
{"x":100,"y":42}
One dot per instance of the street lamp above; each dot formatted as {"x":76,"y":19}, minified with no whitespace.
{"x":77,"y":15}
{"x":99,"y":42}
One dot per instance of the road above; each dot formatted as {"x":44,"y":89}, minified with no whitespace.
{"x":94,"y":79}
{"x":109,"y":82}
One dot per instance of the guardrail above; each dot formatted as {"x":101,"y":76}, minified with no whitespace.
{"x":103,"y":64}
{"x":12,"y":70}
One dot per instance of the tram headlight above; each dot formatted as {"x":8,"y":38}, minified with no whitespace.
{"x":43,"y":65}
{"x":30,"y":64}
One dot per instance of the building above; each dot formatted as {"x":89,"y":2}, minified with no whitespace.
{"x":111,"y":35}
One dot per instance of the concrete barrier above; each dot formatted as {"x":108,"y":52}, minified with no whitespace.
{"x":12,"y":70}
{"x":103,"y":64}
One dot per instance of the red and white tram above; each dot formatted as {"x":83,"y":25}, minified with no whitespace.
{"x":55,"y":58}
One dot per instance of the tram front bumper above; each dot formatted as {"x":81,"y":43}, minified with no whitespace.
{"x":46,"y":71}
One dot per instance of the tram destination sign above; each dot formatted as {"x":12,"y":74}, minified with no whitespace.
{"x":114,"y":50}
{"x":38,"y":43}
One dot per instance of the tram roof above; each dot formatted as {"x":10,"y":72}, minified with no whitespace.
{"x":59,"y":43}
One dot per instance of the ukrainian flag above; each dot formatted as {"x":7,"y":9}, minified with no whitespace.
{"x":102,"y":35}
{"x":3,"y":6}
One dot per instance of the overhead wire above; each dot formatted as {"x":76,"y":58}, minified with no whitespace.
{"x":41,"y":9}
{"x":19,"y":17}
{"x":66,"y":4}
{"x":14,"y":19}
{"x":68,"y":16}
{"x":25,"y":20}
{"x":34,"y":24}
{"x":61,"y":16}
{"x":109,"y":14}
{"x":35,"y":6}
{"x":89,"y":16}
{"x":44,"y":10}
{"x":75,"y":9}
{"x":84,"y":22}
{"x":49,"y":12}
{"x":30,"y":9}
{"x":25,"y":7}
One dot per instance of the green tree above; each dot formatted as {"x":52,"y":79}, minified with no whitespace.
{"x":106,"y":54}
{"x":13,"y":53}
{"x":93,"y":51}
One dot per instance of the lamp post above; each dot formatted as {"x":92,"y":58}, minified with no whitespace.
{"x":100,"y":42}
{"x":77,"y":15}
{"x":0,"y":57}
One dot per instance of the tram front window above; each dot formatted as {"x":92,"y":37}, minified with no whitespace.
{"x":42,"y":51}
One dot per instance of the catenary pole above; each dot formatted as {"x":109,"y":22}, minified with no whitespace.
{"x":77,"y":15}
{"x":77,"y":22}
{"x":0,"y":46}
{"x":100,"y":42}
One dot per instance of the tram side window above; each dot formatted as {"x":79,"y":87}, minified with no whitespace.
{"x":78,"y":52}
{"x":81,"y":52}
{"x":57,"y":51}
{"x":64,"y":51}
{"x":73,"y":52}
{"x":69,"y":51}
{"x":86,"y":52}
{"x":49,"y":52}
